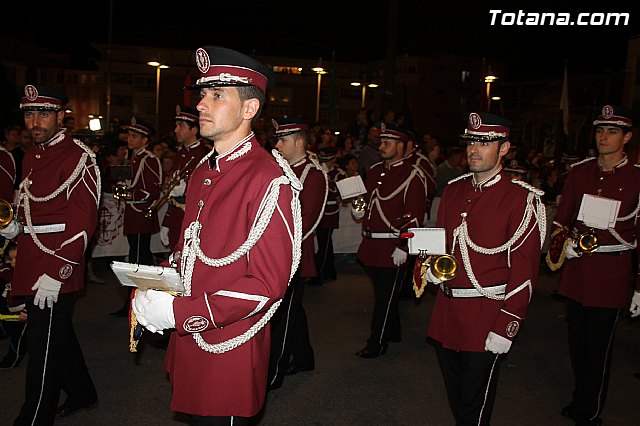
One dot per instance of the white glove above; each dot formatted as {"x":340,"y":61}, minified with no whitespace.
{"x":399,"y":256}
{"x":11,"y":230}
{"x":154,"y":310}
{"x":179,"y":189}
{"x":635,"y":304}
{"x":164,"y":236}
{"x":357,"y":214}
{"x":47,"y":290}
{"x":571,"y":251}
{"x":431,"y":278}
{"x":497,"y":344}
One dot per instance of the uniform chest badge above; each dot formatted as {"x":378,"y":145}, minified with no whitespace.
{"x":65,"y":271}
{"x":195,"y":324}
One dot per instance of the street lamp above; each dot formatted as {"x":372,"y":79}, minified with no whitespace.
{"x":488,"y":79}
{"x":158,"y":67}
{"x":364,"y":89}
{"x":318,"y":70}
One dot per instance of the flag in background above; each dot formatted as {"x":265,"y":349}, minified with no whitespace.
{"x":564,"y":102}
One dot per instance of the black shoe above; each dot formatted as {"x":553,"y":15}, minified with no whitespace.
{"x":567,"y":411}
{"x":372,"y":353}
{"x":293,"y":369}
{"x":68,"y":410}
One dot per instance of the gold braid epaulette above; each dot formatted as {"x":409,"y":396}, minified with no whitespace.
{"x":586,"y":160}
{"x":555,"y":266}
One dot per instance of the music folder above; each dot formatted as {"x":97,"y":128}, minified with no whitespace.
{"x":351,"y":187}
{"x":148,"y":277}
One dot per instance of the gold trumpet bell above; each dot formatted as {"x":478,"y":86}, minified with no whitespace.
{"x":587,"y":242}
{"x":444,"y":267}
{"x":6,"y":213}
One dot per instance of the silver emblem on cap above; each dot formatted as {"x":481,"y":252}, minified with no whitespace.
{"x":383,"y":128}
{"x":474,"y":120}
{"x":607,"y":111}
{"x":274,"y":123}
{"x":133,"y":121}
{"x":202,"y":60}
{"x":178,"y":110}
{"x":31,"y":92}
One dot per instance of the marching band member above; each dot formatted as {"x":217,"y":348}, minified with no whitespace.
{"x":395,"y":200}
{"x":598,"y":285}
{"x":192,"y":150}
{"x":290,"y":331}
{"x":493,"y":227}
{"x":325,"y":259}
{"x":58,"y":202}
{"x":239,"y":248}
{"x":144,"y":190}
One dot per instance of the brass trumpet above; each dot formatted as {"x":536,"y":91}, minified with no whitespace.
{"x":6,"y":213}
{"x":165,"y":194}
{"x":359,"y":204}
{"x":444,"y":267}
{"x":586,"y":242}
{"x":120,"y":192}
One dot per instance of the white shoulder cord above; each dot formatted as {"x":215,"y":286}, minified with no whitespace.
{"x":632,"y":215}
{"x":461,"y":234}
{"x":193,"y":251}
{"x":26,"y":196}
{"x":375,"y":201}
{"x":314,"y":163}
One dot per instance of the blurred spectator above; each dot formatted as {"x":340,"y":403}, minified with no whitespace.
{"x":14,"y":329}
{"x":370,"y":154}
{"x":69,"y":123}
{"x":12,"y":139}
{"x":26,"y":140}
{"x":359,"y":127}
{"x":350,"y":165}
{"x":450,"y":169}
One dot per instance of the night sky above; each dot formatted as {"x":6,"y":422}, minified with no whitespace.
{"x":350,"y":30}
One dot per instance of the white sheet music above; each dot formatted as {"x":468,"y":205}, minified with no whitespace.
{"x":351,"y":187}
{"x":598,"y":212}
{"x":430,"y":240}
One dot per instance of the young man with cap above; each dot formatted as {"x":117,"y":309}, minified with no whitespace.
{"x":493,"y":228}
{"x":290,"y":332}
{"x":58,"y":204}
{"x":144,"y":190}
{"x":598,"y":285}
{"x":396,"y":199}
{"x":325,"y":259}
{"x":192,"y":150}
{"x":239,"y":248}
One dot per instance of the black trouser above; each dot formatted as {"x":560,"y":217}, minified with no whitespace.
{"x":471,"y":380}
{"x":219,"y":421}
{"x":55,"y":361}
{"x":325,"y":258}
{"x":385,"y":321}
{"x":591,"y":332}
{"x":289,"y":334}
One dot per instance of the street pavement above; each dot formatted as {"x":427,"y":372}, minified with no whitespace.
{"x":402,"y":387}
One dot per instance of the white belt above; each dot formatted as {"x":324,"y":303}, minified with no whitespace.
{"x":495,"y":290}
{"x":379,"y":235}
{"x":46,"y":229}
{"x":614,"y":248}
{"x":137,"y":202}
{"x":332,"y":203}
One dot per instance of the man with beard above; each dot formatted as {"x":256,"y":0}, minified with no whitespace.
{"x":58,"y":203}
{"x":494,"y":226}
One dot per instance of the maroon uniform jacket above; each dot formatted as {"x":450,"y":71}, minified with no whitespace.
{"x":312,"y":202}
{"x":145,"y":189}
{"x":393,"y":191}
{"x":226,"y":301}
{"x":331,"y":217}
{"x":61,"y":187}
{"x":601,"y":280}
{"x":7,"y":175}
{"x":430,"y":172}
{"x":493,"y":212}
{"x":173,"y":216}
